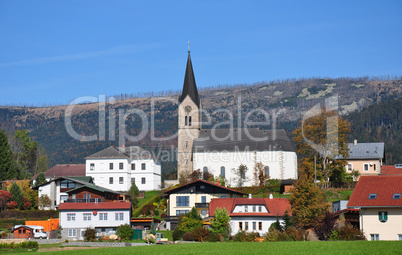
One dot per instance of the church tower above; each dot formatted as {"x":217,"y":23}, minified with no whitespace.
{"x":189,"y":121}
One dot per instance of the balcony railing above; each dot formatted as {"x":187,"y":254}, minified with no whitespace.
{"x":201,"y":205}
{"x":84,"y":200}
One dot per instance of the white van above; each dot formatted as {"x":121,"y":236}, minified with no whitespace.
{"x":38,"y":232}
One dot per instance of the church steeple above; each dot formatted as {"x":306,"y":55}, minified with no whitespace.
{"x":189,"y":86}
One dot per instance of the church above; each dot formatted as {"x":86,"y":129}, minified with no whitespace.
{"x":220,"y":152}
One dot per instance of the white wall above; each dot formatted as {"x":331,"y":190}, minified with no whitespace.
{"x":282,"y":165}
{"x":52,"y":190}
{"x":102,"y":173}
{"x":389,"y":230}
{"x":266,"y":223}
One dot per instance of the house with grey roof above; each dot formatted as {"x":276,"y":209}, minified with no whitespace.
{"x":117,"y":168}
{"x":366,"y":158}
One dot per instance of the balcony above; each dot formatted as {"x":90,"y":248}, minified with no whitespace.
{"x":84,"y":200}
{"x":201,"y":205}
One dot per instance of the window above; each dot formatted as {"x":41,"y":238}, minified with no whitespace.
{"x":142,"y":166}
{"x":202,"y":187}
{"x":223,"y":171}
{"x":375,"y":237}
{"x":349,"y":167}
{"x":365,"y":167}
{"x":260,"y":208}
{"x":396,"y":196}
{"x":121,"y":166}
{"x":372,"y":196}
{"x":203,"y":199}
{"x":111,"y":166}
{"x":133,"y":166}
{"x":103,"y":216}
{"x":189,"y":120}
{"x":245,"y":208}
{"x":260,"y":225}
{"x":267,"y":171}
{"x":92,"y":166}
{"x":67,"y":184}
{"x":179,"y":212}
{"x":223,"y":196}
{"x":375,"y":167}
{"x":87,"y":217}
{"x":254,"y":225}
{"x":383,"y":216}
{"x":246,"y":226}
{"x":132,"y":180}
{"x":119,"y":216}
{"x":203,"y":212}
{"x":205,"y":169}
{"x":185,"y":121}
{"x":186,"y":144}
{"x":400,"y":237}
{"x":254,"y":208}
{"x":72,"y":233}
{"x":110,"y":180}
{"x":182,"y":201}
{"x":241,"y":225}
{"x":63,"y":198}
{"x":121,"y":180}
{"x":70,"y":216}
{"x":143,"y":181}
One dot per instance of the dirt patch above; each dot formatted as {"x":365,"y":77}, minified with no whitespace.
{"x":65,"y":248}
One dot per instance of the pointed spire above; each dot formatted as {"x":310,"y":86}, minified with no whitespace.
{"x":189,"y":86}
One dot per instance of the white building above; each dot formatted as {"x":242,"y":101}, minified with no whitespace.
{"x":56,"y":189}
{"x":116,"y":168}
{"x":271,"y":148}
{"x":251,"y":214}
{"x":221,"y":151}
{"x":105,"y":217}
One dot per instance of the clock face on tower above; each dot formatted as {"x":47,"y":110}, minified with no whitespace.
{"x":188,"y":108}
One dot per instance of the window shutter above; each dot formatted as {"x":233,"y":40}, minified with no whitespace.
{"x":385,"y":216}
{"x":380,"y":217}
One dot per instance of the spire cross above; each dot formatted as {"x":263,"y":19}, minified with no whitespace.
{"x":188,"y":46}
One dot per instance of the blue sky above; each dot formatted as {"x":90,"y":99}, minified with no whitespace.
{"x":55,"y":51}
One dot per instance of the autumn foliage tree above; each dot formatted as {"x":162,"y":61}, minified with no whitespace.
{"x":324,"y":136}
{"x":308,"y":204}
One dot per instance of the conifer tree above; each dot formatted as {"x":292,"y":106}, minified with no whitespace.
{"x":40,"y":179}
{"x":16,"y":195}
{"x":7,"y":167}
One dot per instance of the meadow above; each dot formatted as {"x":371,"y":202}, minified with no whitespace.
{"x":328,"y":248}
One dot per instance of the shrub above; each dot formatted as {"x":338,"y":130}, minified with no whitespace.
{"x":347,"y":232}
{"x":200,"y":234}
{"x":25,"y":245}
{"x":156,"y":212}
{"x":90,"y":235}
{"x":291,"y":234}
{"x":177,"y":234}
{"x":146,"y":210}
{"x":214,"y":238}
{"x":243,"y":236}
{"x":163,"y":215}
{"x":188,"y":236}
{"x":125,"y":232}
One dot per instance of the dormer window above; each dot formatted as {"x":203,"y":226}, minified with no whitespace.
{"x":396,"y":196}
{"x":372,"y":196}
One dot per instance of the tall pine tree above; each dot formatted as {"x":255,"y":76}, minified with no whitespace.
{"x":16,"y":195}
{"x":7,"y":167}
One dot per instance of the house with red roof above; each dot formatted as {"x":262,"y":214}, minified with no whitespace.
{"x":252,"y":214}
{"x":391,"y":169}
{"x":198,"y":194}
{"x":104,"y":217}
{"x":61,"y":170}
{"x":380,"y":203}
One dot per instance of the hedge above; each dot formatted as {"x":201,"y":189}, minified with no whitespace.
{"x":29,"y":214}
{"x":24,"y":245}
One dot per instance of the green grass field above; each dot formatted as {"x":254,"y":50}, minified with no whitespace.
{"x":327,"y":248}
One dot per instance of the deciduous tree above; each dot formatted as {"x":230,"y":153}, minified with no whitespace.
{"x":240,"y":175}
{"x":220,"y":222}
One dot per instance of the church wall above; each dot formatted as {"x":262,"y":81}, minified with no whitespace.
{"x":282,"y":165}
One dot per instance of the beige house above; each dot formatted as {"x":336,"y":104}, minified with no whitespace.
{"x":196,"y":194}
{"x":366,"y":158}
{"x":380,"y":204}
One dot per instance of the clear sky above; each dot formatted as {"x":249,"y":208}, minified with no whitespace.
{"x":55,"y":51}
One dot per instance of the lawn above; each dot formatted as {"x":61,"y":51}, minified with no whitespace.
{"x":327,"y":248}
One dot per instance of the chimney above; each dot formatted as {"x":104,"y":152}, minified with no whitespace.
{"x":355,"y":142}
{"x":218,"y":182}
{"x":271,"y":196}
{"x":249,"y":196}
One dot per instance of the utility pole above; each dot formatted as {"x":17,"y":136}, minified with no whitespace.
{"x":315,"y":172}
